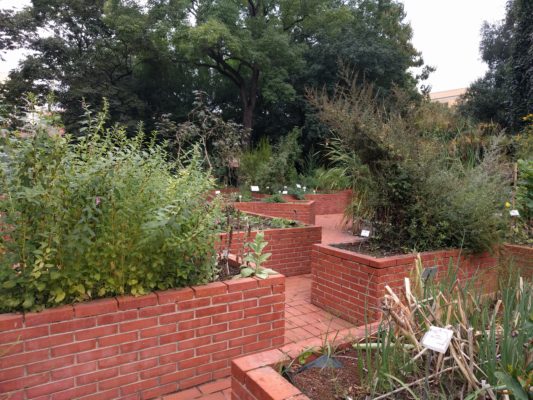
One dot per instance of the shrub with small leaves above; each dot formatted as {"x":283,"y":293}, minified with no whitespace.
{"x":99,"y":217}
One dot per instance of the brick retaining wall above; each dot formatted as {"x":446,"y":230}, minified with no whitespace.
{"x":291,"y":248}
{"x":325,"y":203}
{"x":303,"y":211}
{"x":347,"y":283}
{"x":142,"y":347}
{"x":520,"y":257}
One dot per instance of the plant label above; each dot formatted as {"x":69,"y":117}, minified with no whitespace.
{"x":254,"y":188}
{"x":514,"y":213}
{"x":225,"y":253}
{"x":305,"y":188}
{"x":365,"y":233}
{"x":298,"y":186}
{"x":284,"y":192}
{"x":437,"y":339}
{"x":217,"y":192}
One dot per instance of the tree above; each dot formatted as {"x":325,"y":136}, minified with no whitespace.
{"x":505,"y":94}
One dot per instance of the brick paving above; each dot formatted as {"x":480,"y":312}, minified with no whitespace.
{"x":334,"y":229}
{"x":303,"y":321}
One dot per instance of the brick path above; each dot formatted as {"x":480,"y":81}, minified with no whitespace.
{"x":333,"y":230}
{"x":302,"y":321}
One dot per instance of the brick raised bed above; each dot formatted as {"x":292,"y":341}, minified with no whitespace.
{"x":291,"y":248}
{"x":347,"y":283}
{"x":142,"y":347}
{"x":303,"y":211}
{"x":520,"y":257}
{"x":325,"y":203}
{"x":256,"y":377}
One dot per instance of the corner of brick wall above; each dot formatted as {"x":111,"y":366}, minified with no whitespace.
{"x":291,"y":248}
{"x":351,"y":285}
{"x":256,"y":377}
{"x":139,"y":347}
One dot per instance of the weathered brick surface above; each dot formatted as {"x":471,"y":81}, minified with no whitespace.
{"x":303,"y":211}
{"x":520,"y":257}
{"x":346,"y":283}
{"x":140,"y":347}
{"x":291,"y":248}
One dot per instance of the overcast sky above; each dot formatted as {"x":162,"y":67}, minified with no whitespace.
{"x":445,"y":31}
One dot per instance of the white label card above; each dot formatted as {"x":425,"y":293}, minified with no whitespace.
{"x":217,"y":191}
{"x":284,"y":192}
{"x":298,"y":186}
{"x":437,"y":339}
{"x":514,"y":213}
{"x":254,"y":188}
{"x":365,"y":233}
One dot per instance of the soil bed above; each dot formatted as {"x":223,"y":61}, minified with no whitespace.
{"x":227,"y":272}
{"x":374,"y":248}
{"x":344,"y":383}
{"x":241,"y":221}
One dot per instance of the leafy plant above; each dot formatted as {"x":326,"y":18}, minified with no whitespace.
{"x":254,"y":258}
{"x":103,"y":216}
{"x":275,"y":198}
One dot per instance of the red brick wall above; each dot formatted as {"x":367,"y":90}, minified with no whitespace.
{"x":291,"y":248}
{"x":140,"y":347}
{"x":520,"y":257}
{"x":346,"y":283}
{"x":325,"y":203}
{"x":256,"y":377}
{"x":330,"y":203}
{"x":303,"y":211}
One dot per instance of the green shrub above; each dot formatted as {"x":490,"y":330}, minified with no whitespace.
{"x":272,"y":168}
{"x":101,"y":217}
{"x":417,"y":190}
{"x":275,"y":198}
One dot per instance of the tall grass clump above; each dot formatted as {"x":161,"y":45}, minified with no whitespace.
{"x":490,"y":352}
{"x":105,"y":215}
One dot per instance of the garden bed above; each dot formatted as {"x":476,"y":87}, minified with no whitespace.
{"x":303,"y":211}
{"x":324,"y":203}
{"x":257,"y":377}
{"x":140,"y":347}
{"x":348,"y":284}
{"x":290,"y":247}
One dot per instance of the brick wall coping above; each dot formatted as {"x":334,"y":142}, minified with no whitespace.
{"x":255,"y":377}
{"x":522,"y":248}
{"x":389,"y":261}
{"x":287,"y":201}
{"x":10,"y":321}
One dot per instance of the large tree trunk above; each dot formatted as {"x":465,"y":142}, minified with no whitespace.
{"x":249,"y":95}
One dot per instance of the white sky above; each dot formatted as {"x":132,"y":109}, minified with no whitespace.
{"x":447,"y":32}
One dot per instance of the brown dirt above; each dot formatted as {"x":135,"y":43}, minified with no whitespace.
{"x":332,"y":383}
{"x":223,"y":275}
{"x":240,"y":221}
{"x":372,"y":248}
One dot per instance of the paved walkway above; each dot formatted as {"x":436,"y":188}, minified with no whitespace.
{"x":303,"y":320}
{"x":334,"y":229}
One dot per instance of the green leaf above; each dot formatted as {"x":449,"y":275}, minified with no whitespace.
{"x":512,"y":384}
{"x":9,"y":284}
{"x":247,"y":271}
{"x":60,"y":295}
{"x":28,"y":302}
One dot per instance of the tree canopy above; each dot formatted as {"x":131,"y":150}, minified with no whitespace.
{"x":253,"y":58}
{"x":505,"y":94}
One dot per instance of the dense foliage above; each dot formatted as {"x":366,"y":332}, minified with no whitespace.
{"x":505,"y":94}
{"x":413,"y":188}
{"x":254,"y":58}
{"x":103,"y":216}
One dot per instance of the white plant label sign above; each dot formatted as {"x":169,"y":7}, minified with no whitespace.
{"x":298,"y":186}
{"x":217,"y":192}
{"x":437,"y":339}
{"x":254,"y":188}
{"x":365,"y":233}
{"x":514,"y":213}
{"x":284,"y":192}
